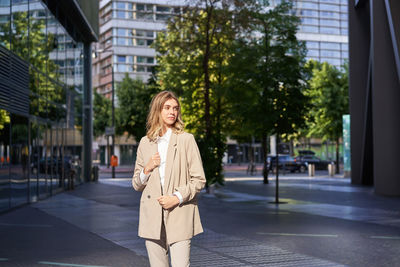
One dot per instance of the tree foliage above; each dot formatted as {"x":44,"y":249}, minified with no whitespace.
{"x":101,"y":114}
{"x":269,"y":83}
{"x":134,"y":97}
{"x":193,"y":56}
{"x":328,"y":90}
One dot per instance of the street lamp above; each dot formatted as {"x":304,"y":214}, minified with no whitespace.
{"x":111,"y":131}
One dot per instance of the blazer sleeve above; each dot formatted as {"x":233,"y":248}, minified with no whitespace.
{"x":139,"y":166}
{"x":197,"y":179}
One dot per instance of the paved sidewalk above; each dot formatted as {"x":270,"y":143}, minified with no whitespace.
{"x":326,"y":222}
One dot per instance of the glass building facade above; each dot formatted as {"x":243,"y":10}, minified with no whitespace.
{"x":41,"y":94}
{"x":324,"y":28}
{"x":127,"y":30}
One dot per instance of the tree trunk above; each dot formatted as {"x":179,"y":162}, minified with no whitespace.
{"x":207,"y":75}
{"x":265,"y":153}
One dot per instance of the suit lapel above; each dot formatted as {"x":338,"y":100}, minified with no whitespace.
{"x":170,"y":160}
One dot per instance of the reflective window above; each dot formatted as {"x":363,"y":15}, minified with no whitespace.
{"x":345,"y":54}
{"x":329,"y":14}
{"x":140,"y":42}
{"x":313,"y":53}
{"x":121,"y":59}
{"x":311,"y":21}
{"x":311,"y":44}
{"x":122,"y":32}
{"x":330,"y":53}
{"x":329,"y":30}
{"x":120,"y":5}
{"x":344,"y":31}
{"x":140,"y":68}
{"x":329,"y":7}
{"x":309,"y":13}
{"x":163,"y":9}
{"x":329,"y":22}
{"x":306,"y":28}
{"x":307,"y":5}
{"x":328,"y":45}
{"x":119,"y":14}
{"x":330,"y":1}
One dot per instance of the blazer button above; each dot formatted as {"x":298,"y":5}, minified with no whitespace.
{"x":148,"y":196}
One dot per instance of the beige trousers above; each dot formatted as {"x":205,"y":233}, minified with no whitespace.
{"x":157,"y":250}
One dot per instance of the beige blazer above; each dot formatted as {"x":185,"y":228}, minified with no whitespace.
{"x":184,"y":173}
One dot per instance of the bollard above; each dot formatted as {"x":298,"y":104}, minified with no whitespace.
{"x":311,"y":170}
{"x":331,"y":169}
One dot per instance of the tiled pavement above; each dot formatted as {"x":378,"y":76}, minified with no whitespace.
{"x":118,"y":224}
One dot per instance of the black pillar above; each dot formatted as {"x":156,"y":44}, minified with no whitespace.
{"x":375,"y":93}
{"x":87,"y":112}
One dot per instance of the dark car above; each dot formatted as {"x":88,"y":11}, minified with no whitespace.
{"x":286,"y":163}
{"x":319,"y":164}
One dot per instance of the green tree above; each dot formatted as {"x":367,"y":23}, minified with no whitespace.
{"x":134,"y":97}
{"x":269,"y":77}
{"x":328,"y":90}
{"x":193,"y":56}
{"x":101,"y":114}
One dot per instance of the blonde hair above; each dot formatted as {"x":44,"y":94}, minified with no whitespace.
{"x":155,"y":123}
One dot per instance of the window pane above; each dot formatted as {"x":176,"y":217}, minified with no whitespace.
{"x":163,"y":9}
{"x":329,"y":14}
{"x":121,"y":14}
{"x":328,"y":7}
{"x":140,"y":42}
{"x":309,"y":29}
{"x":140,"y":59}
{"x":329,"y":30}
{"x":311,"y":44}
{"x":309,"y":13}
{"x":313,"y":53}
{"x":121,"y":32}
{"x":329,"y":53}
{"x":140,"y":68}
{"x":311,"y":21}
{"x":325,"y":45}
{"x":329,"y":22}
{"x":121,"y":59}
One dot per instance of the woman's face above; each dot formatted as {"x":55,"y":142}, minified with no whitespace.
{"x":169,"y":112}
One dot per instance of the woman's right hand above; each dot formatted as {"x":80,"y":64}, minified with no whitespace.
{"x":154,"y":162}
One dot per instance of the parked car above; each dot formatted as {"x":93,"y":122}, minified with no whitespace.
{"x":312,"y":159}
{"x":286,"y":163}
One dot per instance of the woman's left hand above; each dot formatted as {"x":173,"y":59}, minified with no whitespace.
{"x":168,"y":202}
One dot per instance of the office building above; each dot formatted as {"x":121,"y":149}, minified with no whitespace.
{"x":45,"y":131}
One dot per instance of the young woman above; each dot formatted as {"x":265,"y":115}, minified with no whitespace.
{"x":169,"y":172}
